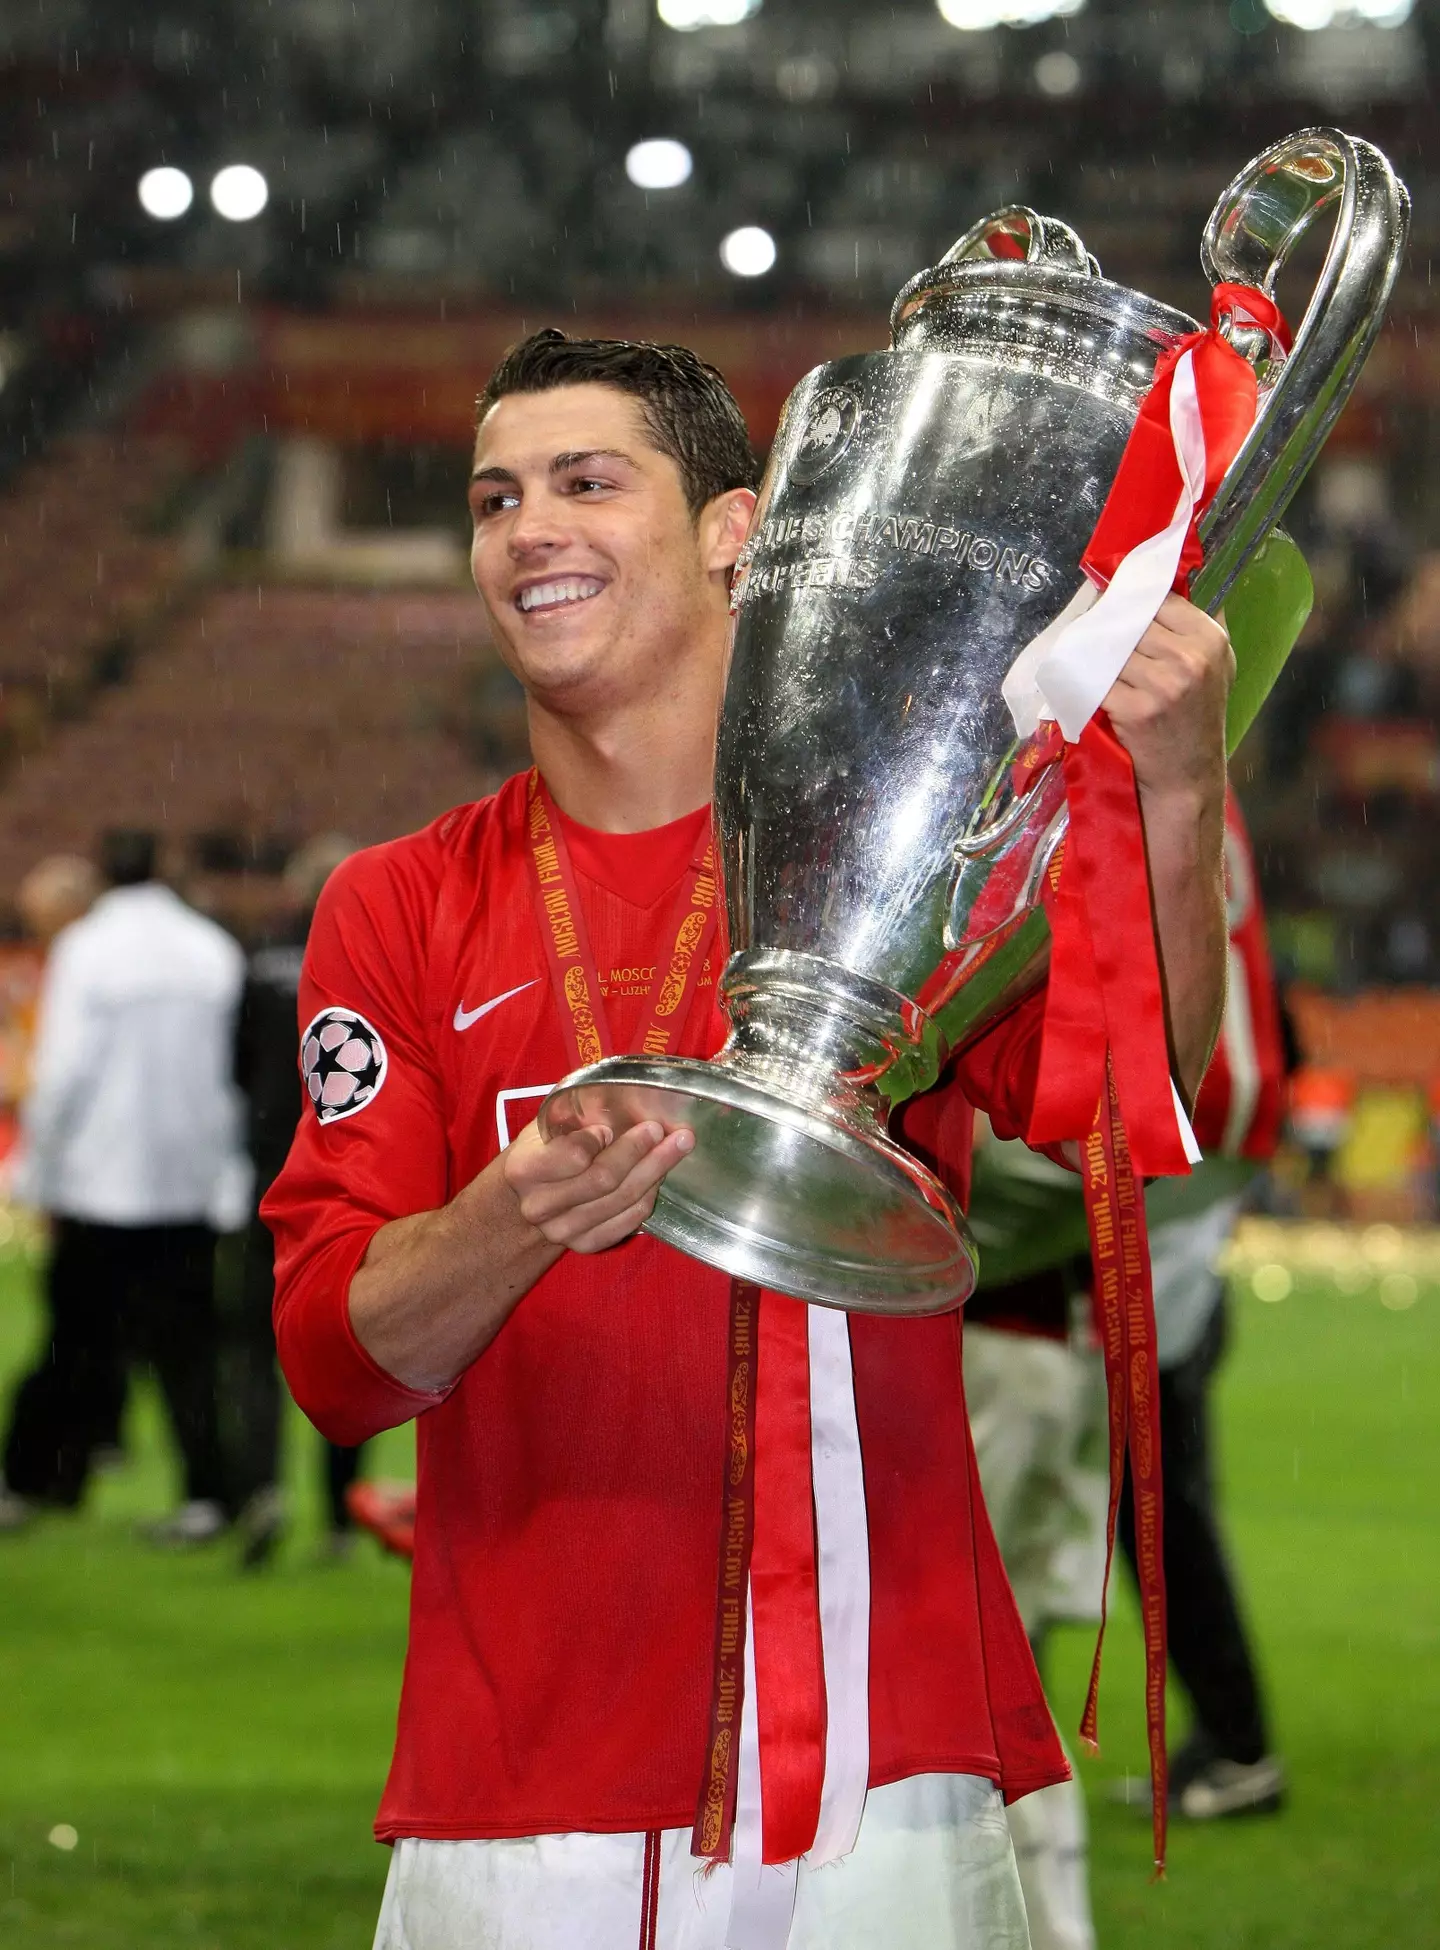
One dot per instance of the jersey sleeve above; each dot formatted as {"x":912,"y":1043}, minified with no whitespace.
{"x":371,"y":1142}
{"x":996,"y":1073}
{"x":1240,"y":1105}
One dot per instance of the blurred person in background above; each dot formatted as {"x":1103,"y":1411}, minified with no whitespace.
{"x":267,"y":1073}
{"x":437,"y":1259}
{"x":56,"y":891}
{"x":129,"y":1143}
{"x":1034,"y":1384}
{"x":1342,"y":663}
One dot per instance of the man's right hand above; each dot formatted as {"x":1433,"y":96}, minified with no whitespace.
{"x":434,"y":1289}
{"x":587,"y":1190}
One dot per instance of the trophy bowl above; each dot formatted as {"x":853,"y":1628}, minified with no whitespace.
{"x":883,"y":838}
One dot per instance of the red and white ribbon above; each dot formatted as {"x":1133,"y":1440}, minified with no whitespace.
{"x":843,"y":1551}
{"x":774,"y":1726}
{"x":1103,"y":1076}
{"x":1205,"y":396}
{"x":1066,"y":671}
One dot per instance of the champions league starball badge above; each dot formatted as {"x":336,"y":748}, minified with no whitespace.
{"x":343,"y":1062}
{"x":834,"y":416}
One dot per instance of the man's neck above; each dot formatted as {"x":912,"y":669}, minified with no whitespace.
{"x":633,"y":770}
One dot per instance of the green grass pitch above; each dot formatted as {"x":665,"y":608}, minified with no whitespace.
{"x":217,"y":1742}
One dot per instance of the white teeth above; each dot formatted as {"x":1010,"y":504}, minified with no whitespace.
{"x":570,"y":589}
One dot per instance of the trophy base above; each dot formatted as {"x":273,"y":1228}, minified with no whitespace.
{"x":779,"y":1193}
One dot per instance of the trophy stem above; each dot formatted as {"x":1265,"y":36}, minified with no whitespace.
{"x":814,"y":1034}
{"x":793,"y":1182}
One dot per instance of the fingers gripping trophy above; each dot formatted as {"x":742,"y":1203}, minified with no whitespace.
{"x":890,"y":793}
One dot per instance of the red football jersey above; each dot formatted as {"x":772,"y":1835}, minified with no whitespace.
{"x":568,"y":1524}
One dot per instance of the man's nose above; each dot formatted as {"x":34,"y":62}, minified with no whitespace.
{"x":538,"y":527}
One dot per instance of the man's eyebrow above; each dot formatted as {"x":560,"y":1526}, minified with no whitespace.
{"x":563,"y":462}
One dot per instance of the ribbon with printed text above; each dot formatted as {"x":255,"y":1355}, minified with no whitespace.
{"x":690,"y":929}
{"x":1104,"y":1072}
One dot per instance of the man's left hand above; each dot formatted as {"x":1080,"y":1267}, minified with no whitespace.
{"x":1167,"y":705}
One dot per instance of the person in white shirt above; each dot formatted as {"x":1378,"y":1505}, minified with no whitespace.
{"x":130,"y":1142}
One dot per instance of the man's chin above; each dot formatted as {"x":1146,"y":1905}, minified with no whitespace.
{"x":562,"y":675}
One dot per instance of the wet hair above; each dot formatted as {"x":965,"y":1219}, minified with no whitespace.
{"x":127,"y":856}
{"x":689,"y":411}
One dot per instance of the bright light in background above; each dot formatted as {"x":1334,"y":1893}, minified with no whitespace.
{"x":748,"y":252}
{"x":688,"y":14}
{"x":660,"y":163}
{"x":239,"y":192}
{"x":971,"y":16}
{"x":1312,"y":15}
{"x":165,"y":194}
{"x":1057,"y":73}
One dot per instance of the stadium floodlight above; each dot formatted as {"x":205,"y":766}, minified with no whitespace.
{"x":974,"y":16}
{"x":748,"y":252}
{"x":1058,"y":73}
{"x":165,"y":193}
{"x":686,"y":15}
{"x":659,"y":163}
{"x":239,"y":192}
{"x":1313,"y":15}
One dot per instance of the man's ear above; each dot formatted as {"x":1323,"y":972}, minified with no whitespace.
{"x":724,"y":523}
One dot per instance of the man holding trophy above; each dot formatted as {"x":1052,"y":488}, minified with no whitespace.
{"x":705,"y":1598}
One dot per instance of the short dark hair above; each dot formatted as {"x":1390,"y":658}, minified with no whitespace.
{"x":127,"y":856}
{"x":690,"y":412}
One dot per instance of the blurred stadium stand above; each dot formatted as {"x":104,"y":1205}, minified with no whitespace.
{"x":260,"y":716}
{"x":82,"y":575}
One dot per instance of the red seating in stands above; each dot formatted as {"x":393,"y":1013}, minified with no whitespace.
{"x":271,"y":713}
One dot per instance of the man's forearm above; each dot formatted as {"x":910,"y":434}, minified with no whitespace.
{"x":1185,"y":845}
{"x":433,"y":1290}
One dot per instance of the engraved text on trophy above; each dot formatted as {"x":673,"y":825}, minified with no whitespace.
{"x":826,"y":553}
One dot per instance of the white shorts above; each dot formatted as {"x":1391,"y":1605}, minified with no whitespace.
{"x":933,"y":1869}
{"x":1037,"y":1407}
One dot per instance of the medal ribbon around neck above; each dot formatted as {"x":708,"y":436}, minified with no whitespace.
{"x":574,"y":977}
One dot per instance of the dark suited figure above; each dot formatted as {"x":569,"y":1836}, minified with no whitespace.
{"x":266,"y":1069}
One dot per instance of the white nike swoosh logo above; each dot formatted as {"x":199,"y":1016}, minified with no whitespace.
{"x":467,"y":1018}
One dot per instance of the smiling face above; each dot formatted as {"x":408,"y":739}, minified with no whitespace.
{"x":600,"y":583}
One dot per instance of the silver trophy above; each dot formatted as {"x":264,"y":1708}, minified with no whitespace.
{"x":883,"y":841}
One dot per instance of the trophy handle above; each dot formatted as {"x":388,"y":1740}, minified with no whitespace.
{"x":1251,"y":232}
